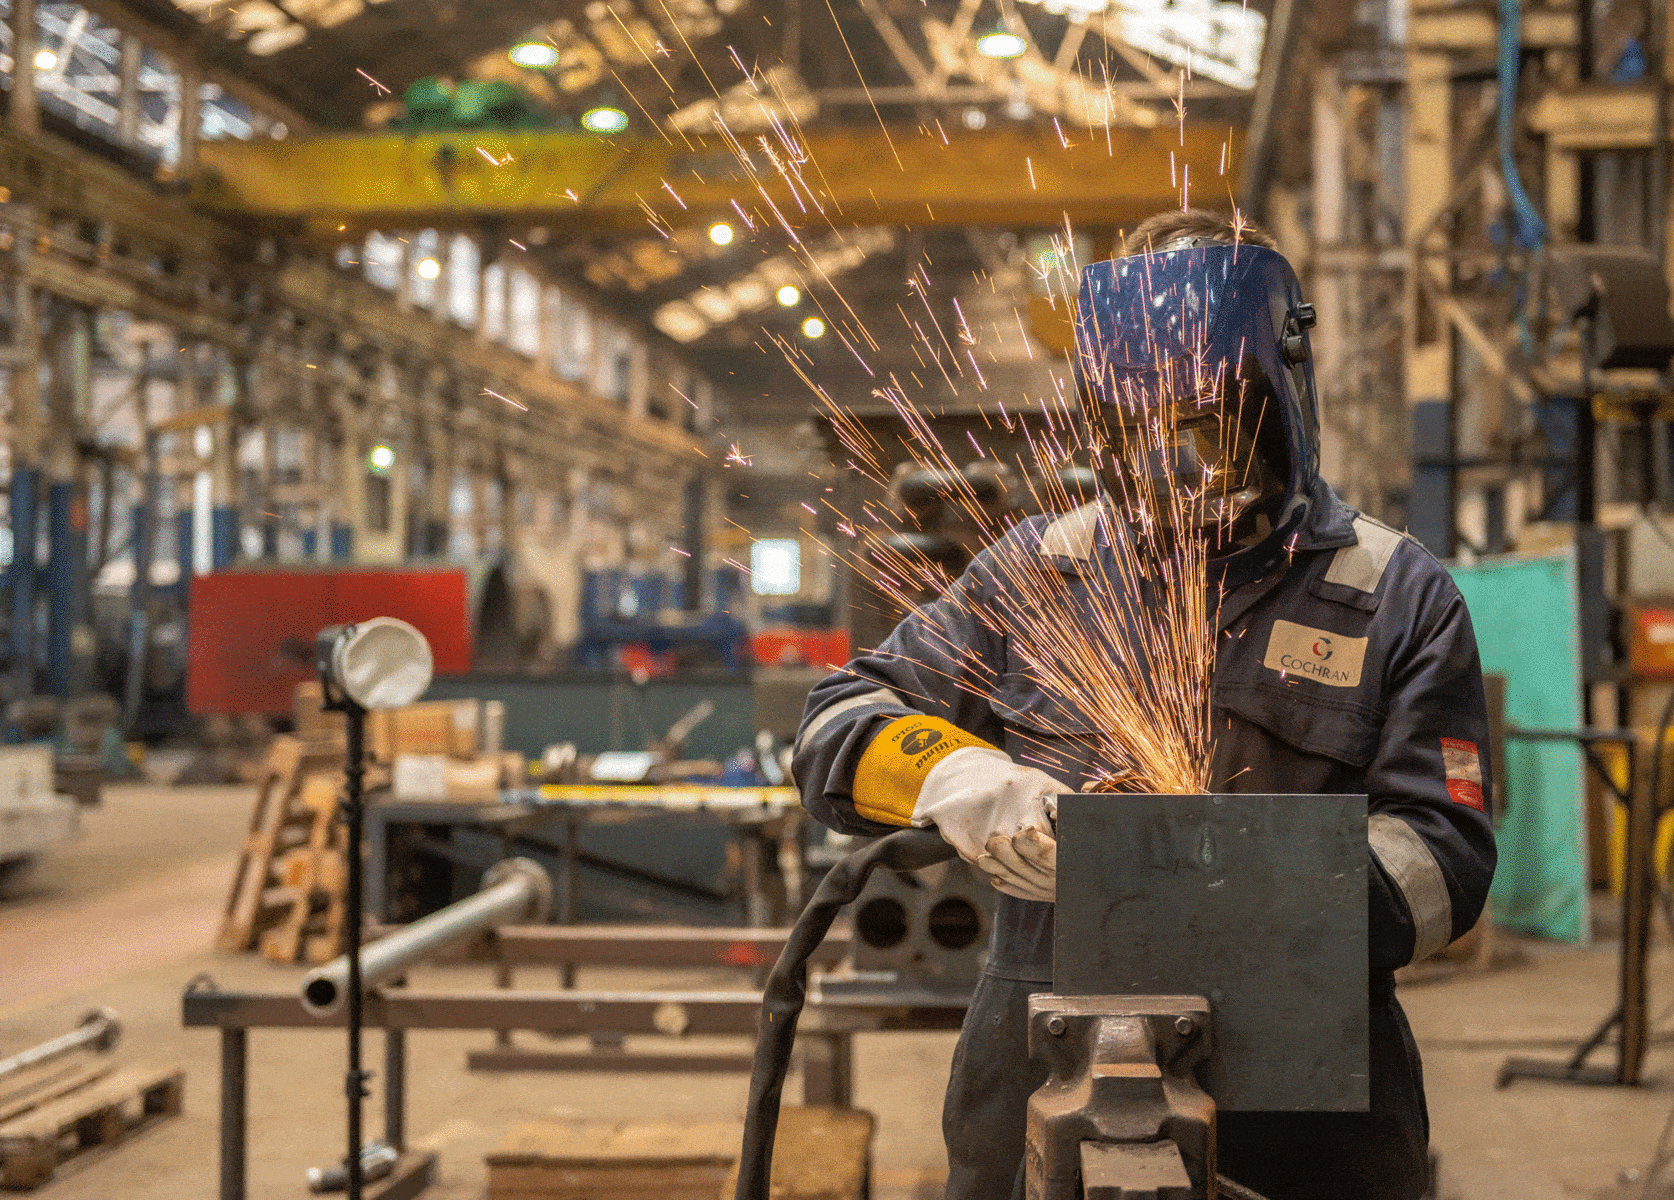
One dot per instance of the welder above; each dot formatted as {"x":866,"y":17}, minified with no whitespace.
{"x":1345,"y":663}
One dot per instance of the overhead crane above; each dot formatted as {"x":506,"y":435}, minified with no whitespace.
{"x":913,"y":176}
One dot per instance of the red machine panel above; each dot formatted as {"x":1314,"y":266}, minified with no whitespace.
{"x":1651,"y":640}
{"x":251,"y":633}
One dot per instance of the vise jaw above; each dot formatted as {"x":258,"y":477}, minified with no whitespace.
{"x":1121,"y":1115}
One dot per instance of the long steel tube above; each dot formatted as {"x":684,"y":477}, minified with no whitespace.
{"x":516,"y":889}
{"x":98,"y":1030}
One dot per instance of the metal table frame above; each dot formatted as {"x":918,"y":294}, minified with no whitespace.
{"x":1639,"y":892}
{"x":765,"y":829}
{"x":828,"y":1027}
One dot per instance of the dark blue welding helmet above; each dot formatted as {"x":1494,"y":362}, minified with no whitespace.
{"x":1196,"y":382}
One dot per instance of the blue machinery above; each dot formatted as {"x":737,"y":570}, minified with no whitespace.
{"x":621,"y":609}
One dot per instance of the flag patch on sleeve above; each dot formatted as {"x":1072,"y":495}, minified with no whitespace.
{"x":1463,"y":766}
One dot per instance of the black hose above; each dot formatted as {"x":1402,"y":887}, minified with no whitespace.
{"x":787,"y":990}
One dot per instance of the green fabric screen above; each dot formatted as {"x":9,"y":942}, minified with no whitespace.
{"x":1527,"y":625}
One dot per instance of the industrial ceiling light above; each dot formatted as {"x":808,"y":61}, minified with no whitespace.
{"x":813,"y":327}
{"x":605,"y":119}
{"x":45,"y":60}
{"x":721,"y":233}
{"x":380,"y":460}
{"x":428,"y":268}
{"x":789,"y":295}
{"x":1001,"y":43}
{"x":537,"y":56}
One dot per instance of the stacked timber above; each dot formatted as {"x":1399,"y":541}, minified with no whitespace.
{"x":660,"y":1160}
{"x":820,"y":1153}
{"x":445,"y":751}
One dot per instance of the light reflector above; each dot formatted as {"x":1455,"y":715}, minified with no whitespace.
{"x":377,"y":664}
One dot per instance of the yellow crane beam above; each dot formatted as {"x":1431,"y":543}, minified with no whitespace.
{"x":902,"y":176}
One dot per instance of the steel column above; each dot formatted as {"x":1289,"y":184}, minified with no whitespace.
{"x":25,"y":494}
{"x":145,"y":553}
{"x":23,"y":112}
{"x":66,"y":539}
{"x":223,"y":536}
{"x":183,"y":537}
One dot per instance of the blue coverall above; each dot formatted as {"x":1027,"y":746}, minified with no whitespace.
{"x":1349,"y":666}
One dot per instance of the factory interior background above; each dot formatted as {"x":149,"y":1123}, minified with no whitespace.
{"x":630,"y":351}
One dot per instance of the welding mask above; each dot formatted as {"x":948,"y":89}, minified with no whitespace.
{"x":1193,"y":365}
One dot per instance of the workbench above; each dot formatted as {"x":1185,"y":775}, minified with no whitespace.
{"x":764,"y":822}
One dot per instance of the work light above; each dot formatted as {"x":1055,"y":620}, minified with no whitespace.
{"x":381,"y":663}
{"x":370,"y":665}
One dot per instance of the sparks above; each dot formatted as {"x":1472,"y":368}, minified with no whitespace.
{"x":507,"y":399}
{"x":382,"y":90}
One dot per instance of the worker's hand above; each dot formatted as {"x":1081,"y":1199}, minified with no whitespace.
{"x":977,"y":793}
{"x":1024,"y":865}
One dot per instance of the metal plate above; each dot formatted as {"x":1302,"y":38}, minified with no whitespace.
{"x":1257,"y":903}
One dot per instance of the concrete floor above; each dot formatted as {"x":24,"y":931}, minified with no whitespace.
{"x":122,"y":917}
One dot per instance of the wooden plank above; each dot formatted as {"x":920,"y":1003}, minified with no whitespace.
{"x":820,"y":1153}
{"x":28,"y":1090}
{"x":622,"y":1144}
{"x":625,"y":1161}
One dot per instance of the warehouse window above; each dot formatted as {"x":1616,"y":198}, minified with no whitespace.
{"x":463,"y":264}
{"x":575,"y":338}
{"x":382,"y":260}
{"x":776,"y":567}
{"x":426,"y":267}
{"x":524,"y":331}
{"x":494,"y":302}
{"x":377,"y":503}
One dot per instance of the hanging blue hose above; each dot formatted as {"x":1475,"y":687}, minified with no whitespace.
{"x":1531,"y":230}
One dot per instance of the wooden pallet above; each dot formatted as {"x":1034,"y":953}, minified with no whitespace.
{"x":45,"y":1082}
{"x":314,"y":878}
{"x":86,"y":1121}
{"x":279,"y":823}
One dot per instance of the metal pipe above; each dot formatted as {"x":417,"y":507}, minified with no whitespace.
{"x":516,"y":889}
{"x":99,"y":1031}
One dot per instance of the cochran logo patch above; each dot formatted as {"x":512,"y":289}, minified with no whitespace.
{"x":1463,"y":766}
{"x":1317,"y":654}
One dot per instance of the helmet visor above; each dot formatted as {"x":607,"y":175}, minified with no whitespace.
{"x":1182,"y":383}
